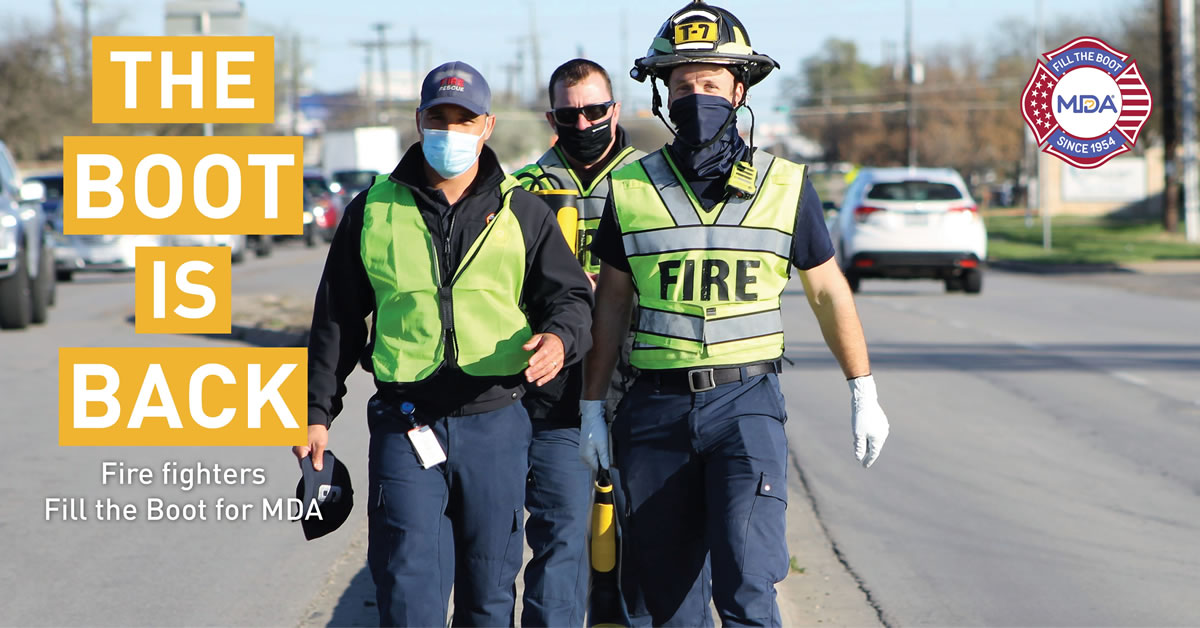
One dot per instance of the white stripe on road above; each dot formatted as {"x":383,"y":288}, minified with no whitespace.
{"x":1129,"y":378}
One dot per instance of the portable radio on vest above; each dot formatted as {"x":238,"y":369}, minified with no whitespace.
{"x":563,"y":204}
{"x":562,"y":201}
{"x":568,"y":221}
{"x":741,"y":180}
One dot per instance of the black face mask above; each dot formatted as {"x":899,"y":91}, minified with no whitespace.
{"x":585,"y":145}
{"x":699,"y":118}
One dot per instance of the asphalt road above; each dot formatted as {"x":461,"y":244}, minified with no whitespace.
{"x":1041,"y":470}
{"x":142,"y":573}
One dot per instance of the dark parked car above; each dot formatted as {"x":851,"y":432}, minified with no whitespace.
{"x":67,"y":257}
{"x":348,"y":183}
{"x":27,"y":286}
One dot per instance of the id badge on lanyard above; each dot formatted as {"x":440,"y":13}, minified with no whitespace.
{"x":425,"y":443}
{"x":429,"y":451}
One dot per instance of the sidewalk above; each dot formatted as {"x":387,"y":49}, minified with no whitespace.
{"x":1178,"y":279}
{"x":1156,"y":267}
{"x":1166,"y":267}
{"x":820,"y":592}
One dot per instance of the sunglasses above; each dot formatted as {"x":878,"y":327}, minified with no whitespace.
{"x":568,"y":115}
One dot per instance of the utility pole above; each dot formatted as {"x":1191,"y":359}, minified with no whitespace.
{"x":415,"y":44}
{"x":1031,"y":156}
{"x":511,"y":70}
{"x":535,"y":52}
{"x":1167,"y":39}
{"x":383,"y":69}
{"x":624,"y":53}
{"x":1187,"y":70}
{"x":85,"y":5}
{"x":205,"y":29}
{"x":1041,"y":157}
{"x":294,"y":89}
{"x":368,"y":49}
{"x":516,"y":70}
{"x":910,"y":103}
{"x":64,"y":48}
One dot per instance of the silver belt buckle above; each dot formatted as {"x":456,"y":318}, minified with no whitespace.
{"x":691,"y":377}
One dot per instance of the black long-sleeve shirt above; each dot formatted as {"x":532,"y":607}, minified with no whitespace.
{"x":556,"y":295}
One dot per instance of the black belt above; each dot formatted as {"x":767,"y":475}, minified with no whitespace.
{"x":702,"y":379}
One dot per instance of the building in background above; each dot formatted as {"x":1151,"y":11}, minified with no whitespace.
{"x":205,"y":17}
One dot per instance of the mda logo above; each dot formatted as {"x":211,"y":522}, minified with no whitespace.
{"x":1087,"y":103}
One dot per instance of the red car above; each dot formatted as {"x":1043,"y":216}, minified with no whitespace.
{"x":322,"y":203}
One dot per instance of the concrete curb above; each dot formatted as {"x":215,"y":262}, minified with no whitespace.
{"x":1038,"y":268}
{"x":264,"y":337}
{"x":825,"y":590}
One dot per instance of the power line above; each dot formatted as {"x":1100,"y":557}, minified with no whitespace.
{"x":895,"y":107}
{"x":930,"y":88}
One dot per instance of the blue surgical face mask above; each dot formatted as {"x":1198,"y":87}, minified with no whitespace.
{"x":450,"y":153}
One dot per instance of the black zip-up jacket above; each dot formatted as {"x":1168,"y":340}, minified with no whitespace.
{"x":556,"y":295}
{"x":558,"y":399}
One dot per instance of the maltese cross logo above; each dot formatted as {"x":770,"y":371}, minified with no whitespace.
{"x":1086,"y":103}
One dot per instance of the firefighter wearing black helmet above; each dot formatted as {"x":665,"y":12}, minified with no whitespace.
{"x":704,"y":232}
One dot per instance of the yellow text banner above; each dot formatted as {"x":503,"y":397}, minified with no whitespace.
{"x":183,"y":185}
{"x":183,"y":79}
{"x":183,"y":290}
{"x":184,"y":397}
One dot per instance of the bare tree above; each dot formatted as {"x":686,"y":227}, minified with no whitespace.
{"x":38,"y":101}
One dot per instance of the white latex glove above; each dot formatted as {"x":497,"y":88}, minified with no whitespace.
{"x":593,"y":434}
{"x":867,"y":420}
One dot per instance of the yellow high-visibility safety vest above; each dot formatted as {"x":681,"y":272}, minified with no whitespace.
{"x":591,"y":199}
{"x":417,"y":313}
{"x":708,"y":281}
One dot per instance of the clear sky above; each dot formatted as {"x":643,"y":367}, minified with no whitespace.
{"x":485,"y":33}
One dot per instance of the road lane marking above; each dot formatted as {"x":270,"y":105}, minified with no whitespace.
{"x":1129,"y":378}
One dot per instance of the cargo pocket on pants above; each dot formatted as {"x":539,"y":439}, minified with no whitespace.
{"x":513,"y":549}
{"x":380,"y":532}
{"x":766,"y":553}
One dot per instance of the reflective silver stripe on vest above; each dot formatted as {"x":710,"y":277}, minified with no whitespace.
{"x":670,"y":189}
{"x":671,"y":324}
{"x":735,"y":209}
{"x":702,"y":237}
{"x":683,"y":326}
{"x":590,"y":207}
{"x":742,"y":327}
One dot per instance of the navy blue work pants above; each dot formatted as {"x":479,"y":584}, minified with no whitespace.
{"x":559,"y":499}
{"x":705,"y":476}
{"x":457,"y":524}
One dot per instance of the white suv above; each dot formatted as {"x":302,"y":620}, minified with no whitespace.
{"x":911,"y":223}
